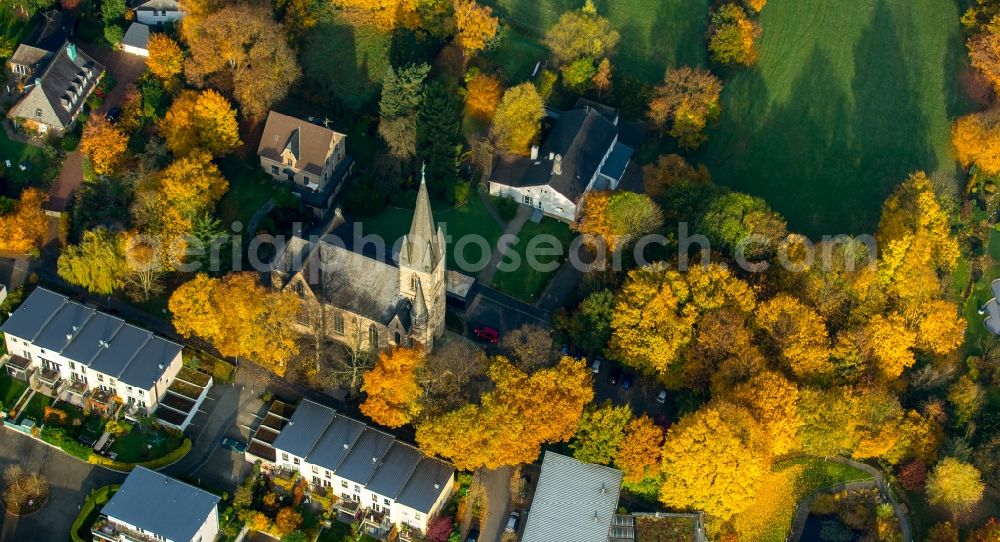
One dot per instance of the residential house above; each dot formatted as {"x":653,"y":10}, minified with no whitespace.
{"x":306,"y":154}
{"x":376,"y":477}
{"x":582,"y":152}
{"x":33,"y":53}
{"x":157,"y":12}
{"x":136,"y":40}
{"x":56,"y":94}
{"x":574,"y":502}
{"x":87,"y":357}
{"x":153,"y":507}
{"x":369,"y":299}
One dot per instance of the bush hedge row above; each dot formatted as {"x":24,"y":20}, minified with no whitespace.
{"x":96,"y":498}
{"x":159,"y":462}
{"x":57,"y":436}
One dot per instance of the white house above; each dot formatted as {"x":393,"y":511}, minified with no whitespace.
{"x":82,"y":355}
{"x":157,"y":12}
{"x":136,"y":40}
{"x":581,"y":153}
{"x":388,"y":481}
{"x":152,"y":507}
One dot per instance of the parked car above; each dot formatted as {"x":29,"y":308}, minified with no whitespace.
{"x":627,"y":381}
{"x":595,"y":367}
{"x":114,"y":113}
{"x":473,"y":536}
{"x":515,"y":516}
{"x":234,"y":445}
{"x":487,"y":334}
{"x":614,"y":376}
{"x":661,"y":397}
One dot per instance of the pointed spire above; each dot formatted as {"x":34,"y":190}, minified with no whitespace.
{"x":421,"y":248}
{"x":419,"y":311}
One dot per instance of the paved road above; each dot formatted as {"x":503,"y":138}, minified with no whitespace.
{"x":70,"y":480}
{"x":496,"y":483}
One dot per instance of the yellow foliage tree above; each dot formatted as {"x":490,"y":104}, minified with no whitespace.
{"x":239,"y":316}
{"x":476,"y":25}
{"x":513,"y":420}
{"x":483,"y":96}
{"x":258,"y":522}
{"x":26,"y":227}
{"x":200,"y":120}
{"x":940,"y":328}
{"x":638,"y":453}
{"x":103,"y":144}
{"x":984,"y":51}
{"x":714,"y":460}
{"x":955,"y":485}
{"x":392,"y":389}
{"x":287,"y":520}
{"x":773,"y":400}
{"x":977,"y":140}
{"x":166,"y":60}
{"x":192,"y":184}
{"x":756,"y":5}
{"x":891,"y":344}
{"x":799,"y":333}
{"x":518,"y":118}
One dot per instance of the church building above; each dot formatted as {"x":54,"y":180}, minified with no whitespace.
{"x":362,"y":300}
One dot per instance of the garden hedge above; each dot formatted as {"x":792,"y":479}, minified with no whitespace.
{"x":57,"y":436}
{"x":96,"y":498}
{"x":153,"y":464}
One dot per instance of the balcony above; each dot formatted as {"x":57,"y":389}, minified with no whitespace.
{"x":102,"y":400}
{"x":77,"y":387}
{"x":106,"y":530}
{"x":47,"y":376}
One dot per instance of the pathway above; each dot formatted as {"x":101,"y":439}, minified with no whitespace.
{"x":488,"y":204}
{"x":512,"y":229}
{"x":69,"y":179}
{"x":496,"y":483}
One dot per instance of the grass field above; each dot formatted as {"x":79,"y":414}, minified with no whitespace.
{"x":846,"y":100}
{"x":655,"y":33}
{"x":526,"y":283}
{"x":346,"y":62}
{"x":11,"y":390}
{"x":249,"y":188}
{"x":138,"y":446}
{"x":35,"y":409}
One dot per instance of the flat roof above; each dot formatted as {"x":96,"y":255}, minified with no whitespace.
{"x":160,"y":504}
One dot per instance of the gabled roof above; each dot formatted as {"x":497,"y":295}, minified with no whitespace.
{"x":574,"y":501}
{"x":92,"y":338}
{"x":579,"y":141}
{"x":304,"y":429}
{"x":423,"y":247}
{"x":137,"y":36}
{"x":425,"y":484}
{"x":310,"y":143}
{"x":396,"y":468}
{"x":61,"y":89}
{"x":161,"y":505}
{"x":56,"y":28}
{"x":159,"y":5}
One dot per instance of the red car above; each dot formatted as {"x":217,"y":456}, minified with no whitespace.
{"x":487,"y":334}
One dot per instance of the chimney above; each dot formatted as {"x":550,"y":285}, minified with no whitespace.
{"x":557,"y":165}
{"x":71,"y":51}
{"x":534,"y":152}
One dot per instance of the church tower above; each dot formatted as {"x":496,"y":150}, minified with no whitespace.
{"x":421,"y":271}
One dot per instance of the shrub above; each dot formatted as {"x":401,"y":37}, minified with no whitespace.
{"x":153,"y":464}
{"x":70,"y":142}
{"x":113,"y":34}
{"x":96,"y":498}
{"x":462,"y":191}
{"x":506,"y":207}
{"x":57,"y":436}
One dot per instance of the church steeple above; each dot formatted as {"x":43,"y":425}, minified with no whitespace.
{"x":422,"y":272}
{"x":419,"y":315}
{"x":421,"y":247}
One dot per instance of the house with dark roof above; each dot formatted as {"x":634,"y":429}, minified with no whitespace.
{"x":153,"y":507}
{"x":56,"y":95}
{"x":376,"y":300}
{"x":306,"y":154}
{"x":86,"y":357}
{"x":582,"y":152}
{"x":384,"y":481}
{"x":136,"y":40}
{"x":31,"y":54}
{"x":157,"y":12}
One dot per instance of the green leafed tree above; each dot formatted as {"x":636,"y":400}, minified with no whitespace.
{"x":600,"y":433}
{"x":95,"y":264}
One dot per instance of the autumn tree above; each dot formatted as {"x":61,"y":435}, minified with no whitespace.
{"x":687,"y":101}
{"x":530,"y":347}
{"x":147,"y":259}
{"x":638,"y":454}
{"x":756,"y":5}
{"x":241,"y":50}
{"x":987,"y":533}
{"x":192,"y":184}
{"x":773,"y":400}
{"x":239,"y":317}
{"x":743,"y":224}
{"x":300,"y":16}
{"x":166,"y":60}
{"x":976,"y":137}
{"x":386,"y":15}
{"x":95,"y":264}
{"x":511,"y":422}
{"x":799,"y":334}
{"x":602,"y":78}
{"x":939,"y":327}
{"x":103,"y":144}
{"x":600,"y":433}
{"x":23,"y":223}
{"x":518,"y":118}
{"x":258,"y":522}
{"x":200,"y":120}
{"x":287,"y":520}
{"x":617,"y":218}
{"x":483,"y":96}
{"x":391,"y":386}
{"x":714,"y":460}
{"x":670,"y":171}
{"x":476,"y":25}
{"x":580,"y":40}
{"x":966,"y":398}
{"x":955,"y":485}
{"x":402,"y":93}
{"x":451,"y":376}
{"x":732,"y":35}
{"x":984,"y":51}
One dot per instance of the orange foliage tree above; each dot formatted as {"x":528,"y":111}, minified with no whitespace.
{"x":103,"y":144}
{"x":639,"y":452}
{"x":166,"y":60}
{"x":476,"y":25}
{"x":977,"y":140}
{"x":200,"y":120}
{"x":287,"y":520}
{"x":392,"y":389}
{"x":25,"y":227}
{"x":984,"y":51}
{"x":800,"y":334}
{"x":483,"y":96}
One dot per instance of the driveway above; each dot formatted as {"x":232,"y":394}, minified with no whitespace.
{"x":70,"y":480}
{"x":496,"y":483}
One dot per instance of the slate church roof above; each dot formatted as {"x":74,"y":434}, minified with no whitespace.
{"x":60,"y":90}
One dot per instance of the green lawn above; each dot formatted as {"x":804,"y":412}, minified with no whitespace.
{"x":345,"y":62}
{"x":517,"y":55}
{"x":655,"y":33}
{"x":340,"y":532}
{"x":469,"y":219}
{"x":10,"y":390}
{"x":35,"y":409}
{"x":132,"y":447}
{"x":976,"y":332}
{"x":846,"y":100}
{"x":525,"y":282}
{"x":19,"y":153}
{"x":249,"y":188}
